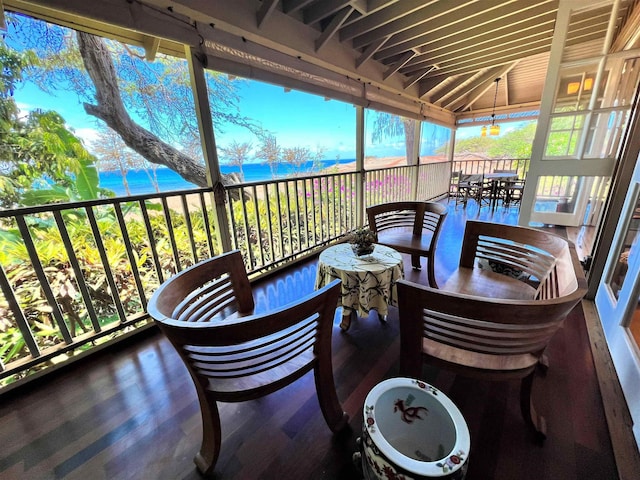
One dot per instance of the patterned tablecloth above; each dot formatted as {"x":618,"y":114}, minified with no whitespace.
{"x":368,"y":282}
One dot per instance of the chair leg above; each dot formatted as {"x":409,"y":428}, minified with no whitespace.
{"x":336,"y":418}
{"x":207,"y":457}
{"x":431,"y":274}
{"x":536,"y":422}
{"x":415,"y":262}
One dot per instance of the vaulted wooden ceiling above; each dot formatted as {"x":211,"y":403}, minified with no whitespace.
{"x":442,"y":54}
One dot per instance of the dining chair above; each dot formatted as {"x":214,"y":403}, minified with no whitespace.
{"x":234,"y":354}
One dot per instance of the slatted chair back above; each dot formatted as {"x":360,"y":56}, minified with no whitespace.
{"x":545,"y":259}
{"x":492,"y":338}
{"x":235,"y":355}
{"x":411,"y":227}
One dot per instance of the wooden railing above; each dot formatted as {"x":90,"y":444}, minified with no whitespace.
{"x":76,"y":277}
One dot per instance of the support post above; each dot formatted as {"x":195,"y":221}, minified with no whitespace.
{"x":207,"y":138}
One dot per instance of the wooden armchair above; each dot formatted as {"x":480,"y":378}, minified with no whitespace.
{"x":489,"y":338}
{"x":409,"y":227}
{"x":234,"y":355}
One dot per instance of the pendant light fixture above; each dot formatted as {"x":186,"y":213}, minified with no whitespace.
{"x":493,"y":128}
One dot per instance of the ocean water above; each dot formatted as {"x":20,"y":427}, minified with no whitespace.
{"x":168,"y":180}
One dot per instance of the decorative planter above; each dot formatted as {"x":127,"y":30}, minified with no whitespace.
{"x":412,"y":430}
{"x":360,"y":250}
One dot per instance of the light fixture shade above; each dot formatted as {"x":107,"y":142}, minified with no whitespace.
{"x":573,"y":87}
{"x":494,"y":130}
{"x":483,"y":131}
{"x":588,"y":83}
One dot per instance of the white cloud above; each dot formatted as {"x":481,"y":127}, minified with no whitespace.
{"x":88,"y":135}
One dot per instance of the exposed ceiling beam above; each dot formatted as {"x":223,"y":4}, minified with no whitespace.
{"x":477,"y":17}
{"x":417,"y":77}
{"x":333,"y":27}
{"x":476,"y":51}
{"x":482,"y":86}
{"x":3,"y":22}
{"x":382,"y":17}
{"x":370,"y":51}
{"x":398,"y":65}
{"x":292,"y":6}
{"x":628,"y":34}
{"x":267,"y":8}
{"x":151,"y":45}
{"x":411,"y":23}
{"x":447,"y":89}
{"x":534,"y":18}
{"x":321,"y":10}
{"x":430,"y":84}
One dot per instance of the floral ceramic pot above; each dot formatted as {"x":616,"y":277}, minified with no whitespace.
{"x":412,"y":430}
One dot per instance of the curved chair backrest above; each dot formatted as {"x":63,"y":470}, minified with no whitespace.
{"x":547,"y":258}
{"x":492,"y":338}
{"x":410,"y":227}
{"x":234,"y":355}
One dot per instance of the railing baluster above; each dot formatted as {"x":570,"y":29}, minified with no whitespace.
{"x":189,"y":226}
{"x":254,"y":192}
{"x":207,"y":225}
{"x":97,"y":237}
{"x":152,"y":240}
{"x":84,"y":291}
{"x":18,"y":315}
{"x":172,"y":236}
{"x":42,"y":278}
{"x":269,"y":221}
{"x":132,"y":258}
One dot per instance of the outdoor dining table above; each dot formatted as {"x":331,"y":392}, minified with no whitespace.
{"x":496,"y":179}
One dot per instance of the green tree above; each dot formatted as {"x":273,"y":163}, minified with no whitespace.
{"x":149,"y":105}
{"x":42,"y":160}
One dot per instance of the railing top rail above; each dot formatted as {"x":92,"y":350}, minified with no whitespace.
{"x":53,"y":207}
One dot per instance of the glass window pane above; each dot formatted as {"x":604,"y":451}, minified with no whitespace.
{"x":434,"y":143}
{"x":287,"y":133}
{"x":564,"y":134}
{"x":605,"y":133}
{"x":556,"y":194}
{"x":627,"y":251}
{"x":388,"y":139}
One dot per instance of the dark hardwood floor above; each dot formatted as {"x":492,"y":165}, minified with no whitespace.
{"x":132,"y":412}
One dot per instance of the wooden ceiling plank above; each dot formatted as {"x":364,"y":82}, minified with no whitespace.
{"x":398,"y":65}
{"x":267,"y":8}
{"x":419,"y":61}
{"x":292,"y":6}
{"x":430,"y":83}
{"x":448,"y":88}
{"x":320,"y":10}
{"x":536,"y":18}
{"x":333,"y":27}
{"x":382,"y":17}
{"x":495,"y":58}
{"x":416,"y":22}
{"x":370,"y":51}
{"x":472,"y":67}
{"x":477,"y":15}
{"x":475,"y":93}
{"x":416,"y":78}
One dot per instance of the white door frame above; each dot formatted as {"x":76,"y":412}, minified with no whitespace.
{"x":615,"y":314}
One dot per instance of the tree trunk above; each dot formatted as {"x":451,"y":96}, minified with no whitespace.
{"x":111,"y":110}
